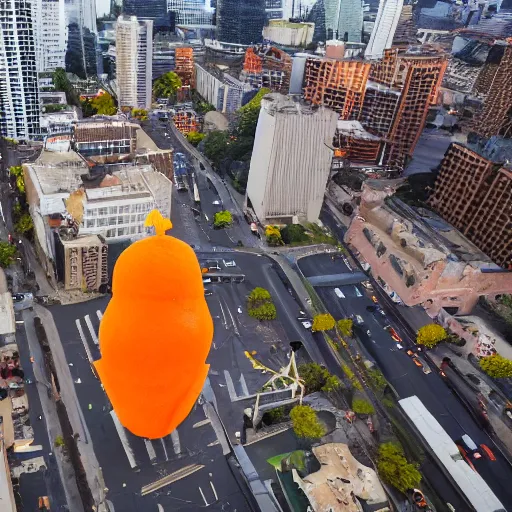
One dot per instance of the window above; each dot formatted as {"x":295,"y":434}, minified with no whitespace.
{"x":112,"y":210}
{"x":140,"y":217}
{"x":134,"y":218}
{"x":111,"y":233}
{"x":90,"y":223}
{"x":119,"y":220}
{"x":102,"y":222}
{"x":139,"y":229}
{"x":112,"y":221}
{"x":102,"y":211}
{"x":132,"y":230}
{"x":92,"y":212}
{"x":122,"y":231}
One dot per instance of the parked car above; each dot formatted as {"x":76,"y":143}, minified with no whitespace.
{"x":229,"y":263}
{"x":339,"y":293}
{"x":417,"y":362}
{"x":394,"y":334}
{"x":367,"y":285}
{"x":307,"y":324}
{"x":359,"y":319}
{"x":239,"y":309}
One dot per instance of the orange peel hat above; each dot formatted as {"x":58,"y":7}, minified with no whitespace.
{"x":155,"y":334}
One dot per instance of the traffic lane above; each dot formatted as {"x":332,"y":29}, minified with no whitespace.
{"x":322,"y":264}
{"x":409,"y":380}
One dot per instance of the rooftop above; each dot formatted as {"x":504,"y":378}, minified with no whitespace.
{"x":96,"y":130}
{"x":355,"y":129}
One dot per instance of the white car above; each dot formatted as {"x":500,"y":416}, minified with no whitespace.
{"x":367,"y":285}
{"x":306,"y":324}
{"x":359,"y":319}
{"x":339,"y":293}
{"x":399,"y":347}
{"x":207,"y":280}
{"x":229,"y":263}
{"x":240,"y":309}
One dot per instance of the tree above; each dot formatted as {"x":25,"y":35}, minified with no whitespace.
{"x":140,"y":113}
{"x":249,"y":114}
{"x":332,"y":383}
{"x":305,"y":422}
{"x":195,"y":138}
{"x":17,"y":171}
{"x":323,"y":322}
{"x":104,"y":104}
{"x":395,"y":470}
{"x":25,"y":225}
{"x":360,"y":406}
{"x":215,"y":146}
{"x":203,"y":107}
{"x":317,"y":378}
{"x":266,"y":311}
{"x":7,"y":252}
{"x":222,"y":219}
{"x":61,"y":83}
{"x":430,"y":335}
{"x":294,"y":233}
{"x":167,"y":85}
{"x":345,"y":326}
{"x":273,"y":235}
{"x":258,"y":296}
{"x":496,"y":366}
{"x":87,"y":109}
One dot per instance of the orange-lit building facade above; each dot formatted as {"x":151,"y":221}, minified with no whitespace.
{"x":184,"y":66}
{"x":267,"y":67}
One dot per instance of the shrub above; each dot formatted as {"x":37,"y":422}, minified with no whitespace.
{"x":430,"y":335}
{"x":323,"y":322}
{"x":59,"y":441}
{"x":260,"y":305}
{"x":294,"y":233}
{"x":195,"y":137}
{"x":264,"y":312}
{"x":305,"y":422}
{"x":345,"y":326}
{"x":222,"y":219}
{"x":7,"y":253}
{"x":273,"y":235}
{"x":258,"y":296}
{"x":496,"y":366}
{"x":317,"y":378}
{"x":360,"y":406}
{"x":24,"y":225}
{"x":394,"y":469}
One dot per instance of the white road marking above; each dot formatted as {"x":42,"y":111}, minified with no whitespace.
{"x":124,"y":440}
{"x":100,"y":315}
{"x":91,"y":329}
{"x":165,"y":449}
{"x":201,"y":423}
{"x":244,"y":385}
{"x":231,"y":387}
{"x":214,"y":491}
{"x":201,"y":491}
{"x":84,"y":340}
{"x":160,"y":508}
{"x":176,"y":441}
{"x":150,"y":449}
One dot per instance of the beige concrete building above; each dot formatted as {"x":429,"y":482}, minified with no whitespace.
{"x":420,"y":256}
{"x":291,"y":160}
{"x":134,"y":58}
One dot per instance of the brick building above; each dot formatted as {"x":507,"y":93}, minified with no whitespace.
{"x":475,"y":195}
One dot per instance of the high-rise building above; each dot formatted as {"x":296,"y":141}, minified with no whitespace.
{"x":496,"y":116}
{"x":384,"y":29}
{"x":274,"y":9}
{"x":50,"y":34}
{"x":337,"y":19}
{"x":475,"y":195}
{"x":19,"y":103}
{"x":134,"y":54}
{"x":184,"y":66}
{"x":155,"y":10}
{"x":192,"y":13}
{"x":240,"y":21}
{"x":291,"y":152}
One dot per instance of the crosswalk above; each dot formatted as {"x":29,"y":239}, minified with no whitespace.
{"x":141,"y":452}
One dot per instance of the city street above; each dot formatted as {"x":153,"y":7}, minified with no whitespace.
{"x":128,"y":462}
{"x":404,"y":376}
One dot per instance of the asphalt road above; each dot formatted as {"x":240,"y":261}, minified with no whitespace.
{"x":231,"y":376}
{"x":406,"y":378}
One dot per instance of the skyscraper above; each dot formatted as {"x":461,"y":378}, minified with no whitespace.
{"x":337,"y":19}
{"x":192,"y":13}
{"x":384,"y":29}
{"x":134,"y":53}
{"x":240,"y":21}
{"x":19,"y":103}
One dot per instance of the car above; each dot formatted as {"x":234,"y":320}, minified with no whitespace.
{"x":394,"y":334}
{"x":339,"y":293}
{"x":367,"y":285}
{"x":307,"y":324}
{"x":207,"y":280}
{"x":303,"y":313}
{"x":207,"y":292}
{"x":216,"y":203}
{"x":399,"y":347}
{"x":374,"y":299}
{"x":469,"y":447}
{"x":410,"y":353}
{"x":239,"y":309}
{"x":358,"y":293}
{"x":359,"y":319}
{"x":417,"y":362}
{"x":229,"y":263}
{"x":302,"y":318}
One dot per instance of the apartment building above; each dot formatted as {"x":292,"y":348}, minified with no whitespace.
{"x":192,"y":13}
{"x":223,"y":91}
{"x":240,"y":21}
{"x":134,"y":56}
{"x":384,"y":28}
{"x":19,"y":102}
{"x":290,"y":152}
{"x":475,"y":195}
{"x":419,"y":256}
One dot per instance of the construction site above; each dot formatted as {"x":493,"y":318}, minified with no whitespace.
{"x":267,"y":67}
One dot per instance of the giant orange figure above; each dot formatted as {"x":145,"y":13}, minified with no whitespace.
{"x":155,"y":334}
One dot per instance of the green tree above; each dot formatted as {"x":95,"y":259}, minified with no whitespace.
{"x":360,"y":406}
{"x":25,"y":225}
{"x":203,"y":107}
{"x":195,"y":138}
{"x":430,"y":335}
{"x":216,"y":146}
{"x":61,"y":83}
{"x":266,"y":311}
{"x":7,"y":253}
{"x":305,"y":422}
{"x":332,"y":383}
{"x":496,"y":366}
{"x":167,"y":85}
{"x":59,"y":441}
{"x":104,"y":104}
{"x":394,"y":469}
{"x":345,"y":326}
{"x":140,"y":113}
{"x":249,"y":113}
{"x":17,"y":171}
{"x":294,"y":233}
{"x":222,"y":219}
{"x":323,"y":322}
{"x":258,"y":296}
{"x":377,"y":379}
{"x":87,"y":109}
{"x":273,"y":235}
{"x":317,"y":378}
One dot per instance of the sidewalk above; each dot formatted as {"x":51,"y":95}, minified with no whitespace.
{"x":70,"y":400}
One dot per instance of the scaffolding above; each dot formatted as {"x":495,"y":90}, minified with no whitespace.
{"x":184,"y":66}
{"x":186,"y":121}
